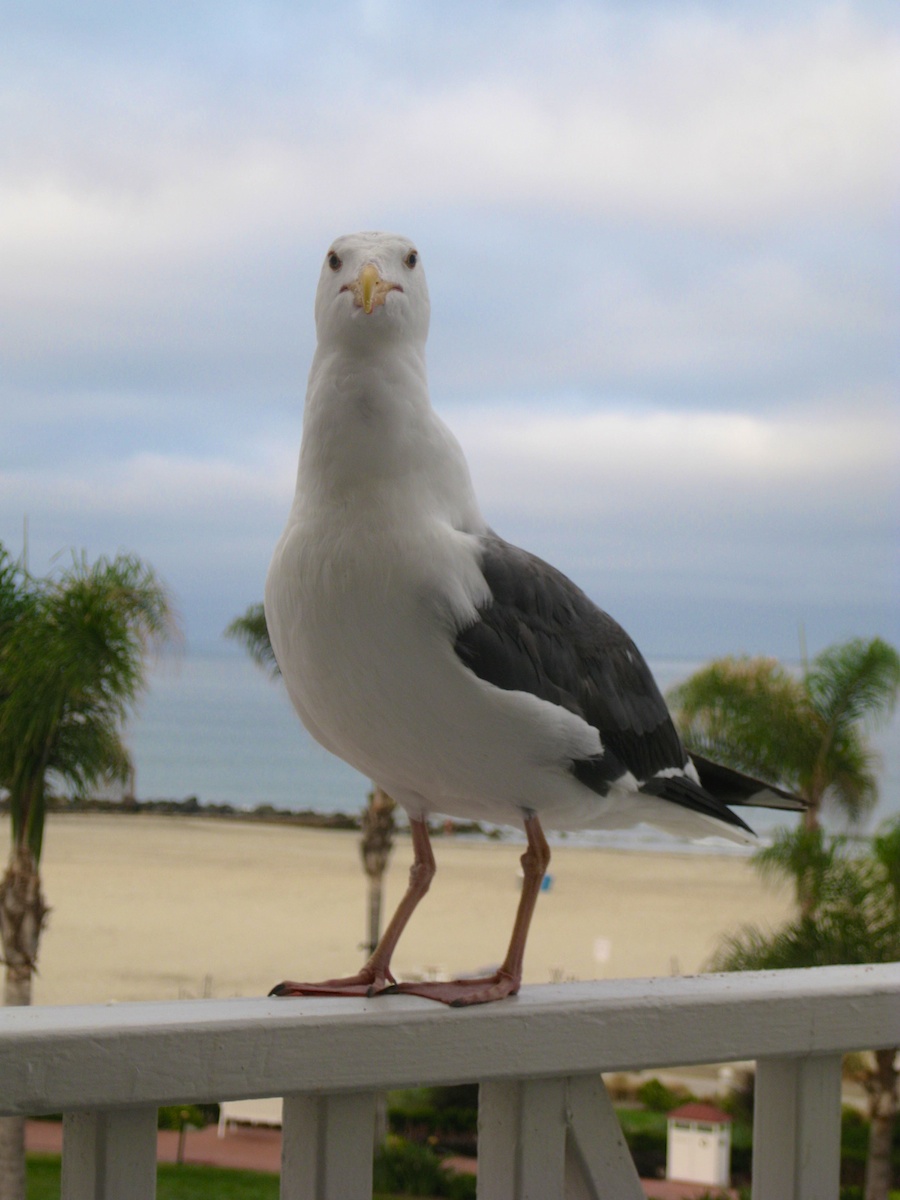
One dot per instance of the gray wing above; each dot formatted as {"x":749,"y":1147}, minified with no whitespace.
{"x":541,"y":634}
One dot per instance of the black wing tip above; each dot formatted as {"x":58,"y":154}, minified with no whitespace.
{"x":734,"y":787}
{"x":682,"y":790}
{"x":771,"y":798}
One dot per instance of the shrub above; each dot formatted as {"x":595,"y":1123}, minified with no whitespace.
{"x":459,"y":1096}
{"x":739,"y":1099}
{"x":620,"y":1087}
{"x":461,"y":1187}
{"x":658,"y":1098}
{"x":176,"y":1116}
{"x":412,"y":1170}
{"x":445,"y":1118}
{"x":648,"y":1149}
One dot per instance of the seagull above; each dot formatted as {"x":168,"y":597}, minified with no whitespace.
{"x":463,"y":675}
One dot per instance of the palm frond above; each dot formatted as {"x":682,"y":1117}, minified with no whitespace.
{"x":856,"y":918}
{"x":251,"y":630}
{"x":72,"y":663}
{"x":807,"y":734}
{"x":856,"y":681}
{"x":750,"y":714}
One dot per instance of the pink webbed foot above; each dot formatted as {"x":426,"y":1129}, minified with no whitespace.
{"x":364,"y":983}
{"x":459,"y":993}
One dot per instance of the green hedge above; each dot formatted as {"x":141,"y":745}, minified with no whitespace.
{"x":416,"y":1170}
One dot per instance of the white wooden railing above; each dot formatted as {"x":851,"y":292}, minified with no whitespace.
{"x":547,"y":1130}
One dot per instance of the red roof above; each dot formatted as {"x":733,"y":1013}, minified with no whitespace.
{"x":707,"y":1113}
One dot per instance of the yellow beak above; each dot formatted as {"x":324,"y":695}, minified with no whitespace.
{"x":369,"y":279}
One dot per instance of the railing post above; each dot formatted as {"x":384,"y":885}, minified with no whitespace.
{"x":109,"y":1154}
{"x":552,"y":1139}
{"x":522,"y":1140}
{"x":598,"y":1163}
{"x":327,"y":1146}
{"x":797,"y":1128}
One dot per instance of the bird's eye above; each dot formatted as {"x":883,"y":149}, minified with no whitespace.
{"x":334,"y":261}
{"x":411,"y":259}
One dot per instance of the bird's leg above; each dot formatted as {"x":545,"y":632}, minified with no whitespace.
{"x":376,"y":975}
{"x":506,"y":981}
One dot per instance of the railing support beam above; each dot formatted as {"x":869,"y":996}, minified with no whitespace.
{"x":797,"y":1128}
{"x":552,"y":1139}
{"x":108,"y":1154}
{"x":327,"y":1146}
{"x":599,"y":1165}
{"x":521,"y":1140}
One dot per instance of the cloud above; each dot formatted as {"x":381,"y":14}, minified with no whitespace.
{"x":162,"y":487}
{"x":702,"y":118}
{"x":672,"y":193}
{"x":208,"y":524}
{"x":656,"y":238}
{"x":713,"y":126}
{"x":836,"y":463}
{"x":790,"y":511}
{"x":648,"y":316}
{"x":558,"y":460}
{"x":714,"y":499}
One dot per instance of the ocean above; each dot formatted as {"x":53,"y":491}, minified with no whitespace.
{"x":215,"y":727}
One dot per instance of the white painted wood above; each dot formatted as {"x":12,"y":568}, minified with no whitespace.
{"x":108,"y":1068}
{"x":64,"y":1059}
{"x":553,"y":1139}
{"x":109,"y":1154}
{"x":599,"y":1165}
{"x":577,"y":1186}
{"x":498,"y":1129}
{"x":522,"y":1140}
{"x":819,"y":1128}
{"x":264,"y":1111}
{"x":797,"y":1128}
{"x":327,"y":1146}
{"x":542,"y":1140}
{"x":300,"y":1167}
{"x":774,"y":1128}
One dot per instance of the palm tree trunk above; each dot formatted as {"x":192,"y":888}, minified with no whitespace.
{"x":376,"y":893}
{"x":22,"y":917}
{"x":375,"y":848}
{"x":883,"y":1111}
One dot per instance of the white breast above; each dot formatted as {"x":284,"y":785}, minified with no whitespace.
{"x":361,"y":620}
{"x":363,"y":625}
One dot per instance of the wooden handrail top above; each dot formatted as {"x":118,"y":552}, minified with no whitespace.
{"x":100,"y":1056}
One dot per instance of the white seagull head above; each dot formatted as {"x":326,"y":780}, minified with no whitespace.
{"x":372,"y":288}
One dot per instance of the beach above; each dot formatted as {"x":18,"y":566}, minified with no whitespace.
{"x":157,"y":908}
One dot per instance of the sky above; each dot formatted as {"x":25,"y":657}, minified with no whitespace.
{"x":660,"y":241}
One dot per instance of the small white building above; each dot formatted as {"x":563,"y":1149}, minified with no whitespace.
{"x":699,"y":1145}
{"x":250,"y":1112}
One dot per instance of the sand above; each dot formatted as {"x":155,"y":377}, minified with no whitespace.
{"x":154,"y":908}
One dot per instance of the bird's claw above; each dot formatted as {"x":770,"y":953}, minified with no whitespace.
{"x":365,"y":983}
{"x":460,"y":993}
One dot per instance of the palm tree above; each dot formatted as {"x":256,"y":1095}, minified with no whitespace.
{"x":378,"y":828}
{"x":251,"y":630}
{"x":806,"y":858}
{"x":73,"y":651}
{"x":807,"y":733}
{"x":856,"y":919}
